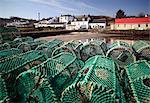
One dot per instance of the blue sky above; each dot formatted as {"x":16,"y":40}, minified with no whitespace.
{"x":50,"y":8}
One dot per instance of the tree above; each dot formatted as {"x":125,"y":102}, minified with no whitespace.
{"x":120,"y":14}
{"x":141,"y":14}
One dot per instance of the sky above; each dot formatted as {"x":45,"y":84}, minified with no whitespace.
{"x":51,"y":8}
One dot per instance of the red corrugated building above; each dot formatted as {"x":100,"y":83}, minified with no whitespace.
{"x":131,"y":23}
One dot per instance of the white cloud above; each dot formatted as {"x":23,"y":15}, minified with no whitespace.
{"x":69,"y":6}
{"x":54,"y":3}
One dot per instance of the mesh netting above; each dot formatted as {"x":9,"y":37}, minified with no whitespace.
{"x":49,"y":47}
{"x":11,"y":67}
{"x":18,"y":61}
{"x":9,"y":52}
{"x":71,"y":46}
{"x":5,"y":46}
{"x":142,"y":49}
{"x":3,"y":91}
{"x":24,"y":47}
{"x":67,"y":76}
{"x":121,"y":53}
{"x":93,"y":48}
{"x":139,"y":76}
{"x":31,"y":86}
{"x":100,"y":71}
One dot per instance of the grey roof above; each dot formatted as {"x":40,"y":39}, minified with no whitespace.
{"x":98,"y":21}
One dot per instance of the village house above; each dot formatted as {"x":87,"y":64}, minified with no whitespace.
{"x":66,"y":18}
{"x":131,"y":23}
{"x":45,"y":22}
{"x":97,"y":24}
{"x":80,"y":22}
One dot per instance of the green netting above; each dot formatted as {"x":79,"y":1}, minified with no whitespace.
{"x":121,"y":53}
{"x":7,"y":29}
{"x":32,"y":87}
{"x":61,"y":70}
{"x":93,"y":48}
{"x":42,"y":48}
{"x":67,"y":76}
{"x":18,"y":61}
{"x":3,"y":91}
{"x":50,"y":68}
{"x":75,"y":46}
{"x":9,"y":52}
{"x":14,"y":43}
{"x":11,"y":67}
{"x":102,"y":72}
{"x":5,"y":46}
{"x":24,"y":47}
{"x":62,"y":49}
{"x":139,"y":76}
{"x":49,"y":47}
{"x":27,"y":39}
{"x":54,"y":42}
{"x":8,"y":33}
{"x":34,"y":44}
{"x":71,"y":46}
{"x":74,"y":94}
{"x":142,"y":49}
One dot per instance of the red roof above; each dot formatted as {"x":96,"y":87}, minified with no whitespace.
{"x":132,"y":20}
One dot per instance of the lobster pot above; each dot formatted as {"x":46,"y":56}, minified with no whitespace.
{"x":27,"y":39}
{"x":69,"y":73}
{"x":11,"y":67}
{"x":72,"y":44}
{"x":3,"y":91}
{"x":24,"y":47}
{"x":60,"y":70}
{"x":139,"y":76}
{"x":9,"y":52}
{"x":52,"y":45}
{"x":121,"y":53}
{"x":49,"y":47}
{"x":15,"y":42}
{"x":54,"y":42}
{"x":32,"y":87}
{"x":142,"y":49}
{"x":96,"y":83}
{"x":66,"y":47}
{"x":5,"y":46}
{"x":93,"y":48}
{"x":8,"y":33}
{"x":75,"y":46}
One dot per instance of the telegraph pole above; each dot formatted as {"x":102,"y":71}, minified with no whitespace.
{"x":39,"y":16}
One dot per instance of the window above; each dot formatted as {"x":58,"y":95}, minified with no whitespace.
{"x":138,"y":25}
{"x":146,"y":25}
{"x":124,"y":25}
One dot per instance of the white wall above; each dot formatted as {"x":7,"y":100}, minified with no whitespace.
{"x":48,"y":25}
{"x":65,"y":19}
{"x":18,"y":23}
{"x":80,"y":24}
{"x":97,"y":25}
{"x":70,"y":27}
{"x":131,"y":26}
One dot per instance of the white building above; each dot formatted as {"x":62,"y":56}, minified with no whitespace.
{"x":79,"y":23}
{"x":50,"y":22}
{"x":65,"y":18}
{"x":18,"y":23}
{"x":57,"y":25}
{"x":97,"y":24}
{"x":70,"y":27}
